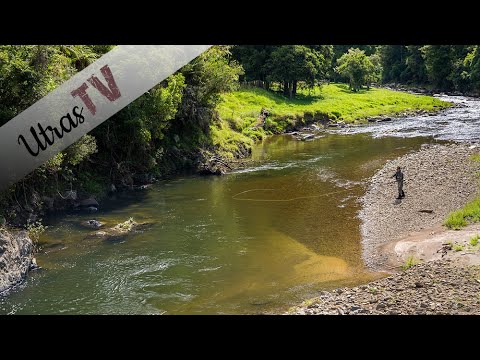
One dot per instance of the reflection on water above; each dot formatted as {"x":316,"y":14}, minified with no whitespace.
{"x":257,"y":240}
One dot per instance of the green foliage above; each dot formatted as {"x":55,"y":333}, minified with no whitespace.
{"x":472,"y":67}
{"x":437,"y":67}
{"x":470,"y":213}
{"x":290,"y":64}
{"x":35,"y":230}
{"x":474,"y":240}
{"x":409,"y":262}
{"x":29,"y":72}
{"x":359,"y":68}
{"x":91,"y":182}
{"x":438,"y":61}
{"x":393,"y":62}
{"x":415,"y":71}
{"x":80,"y":150}
{"x":254,"y":59}
{"x":457,"y":247}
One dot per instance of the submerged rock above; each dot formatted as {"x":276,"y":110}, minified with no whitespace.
{"x":34,"y":265}
{"x":119,"y":231}
{"x":307,"y":137}
{"x":94,"y":224}
{"x":16,"y":251}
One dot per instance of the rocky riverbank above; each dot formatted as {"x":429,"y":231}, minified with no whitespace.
{"x":438,"y":180}
{"x":437,"y":287}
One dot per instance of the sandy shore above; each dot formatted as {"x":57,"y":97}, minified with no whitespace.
{"x":438,"y":180}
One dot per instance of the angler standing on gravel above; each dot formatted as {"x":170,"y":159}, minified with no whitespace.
{"x":399,"y":178}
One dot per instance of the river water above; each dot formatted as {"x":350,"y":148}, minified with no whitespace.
{"x":258,"y":240}
{"x":458,"y":124}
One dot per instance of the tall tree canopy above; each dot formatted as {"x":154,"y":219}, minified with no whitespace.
{"x":358,"y":68}
{"x":287,"y":64}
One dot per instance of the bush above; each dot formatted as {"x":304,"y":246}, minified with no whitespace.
{"x":35,"y":230}
{"x":474,"y":240}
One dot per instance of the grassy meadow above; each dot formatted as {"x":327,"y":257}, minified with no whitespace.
{"x":239,"y":110}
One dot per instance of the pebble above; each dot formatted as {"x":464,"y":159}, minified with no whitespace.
{"x":412,"y":300}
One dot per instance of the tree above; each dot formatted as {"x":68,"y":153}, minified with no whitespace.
{"x":290,"y":64}
{"x":254,"y":59}
{"x":393,"y":62}
{"x":439,"y":64}
{"x":472,"y":67}
{"x":375,"y":72}
{"x":416,"y":72}
{"x":161,"y":131}
{"x":358,"y":68}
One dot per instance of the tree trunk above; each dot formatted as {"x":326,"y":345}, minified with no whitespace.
{"x":286,"y":88}
{"x":294,"y":90}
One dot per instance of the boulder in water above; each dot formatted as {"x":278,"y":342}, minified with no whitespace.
{"x":119,"y":231}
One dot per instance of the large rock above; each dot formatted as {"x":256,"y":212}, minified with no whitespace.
{"x":16,"y":253}
{"x":119,"y":231}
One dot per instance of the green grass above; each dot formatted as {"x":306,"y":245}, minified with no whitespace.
{"x":409,"y":262}
{"x":474,"y":240}
{"x":227,"y":140}
{"x":239,"y":110}
{"x":335,"y":100}
{"x":475,"y":157}
{"x":470,"y":213}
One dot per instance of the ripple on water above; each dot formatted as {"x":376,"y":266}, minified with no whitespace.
{"x":452,"y":124}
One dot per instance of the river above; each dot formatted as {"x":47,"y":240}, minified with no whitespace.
{"x":258,"y":240}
